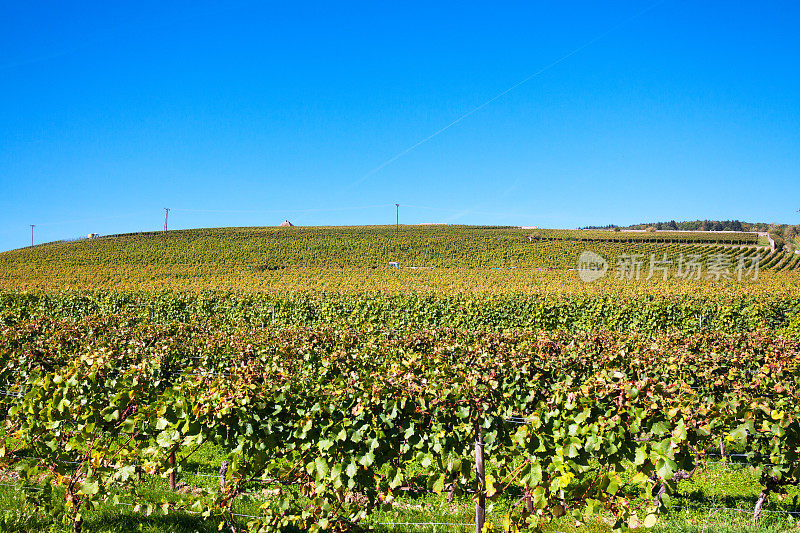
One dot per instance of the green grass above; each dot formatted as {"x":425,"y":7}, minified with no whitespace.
{"x":18,"y":515}
{"x":699,"y":505}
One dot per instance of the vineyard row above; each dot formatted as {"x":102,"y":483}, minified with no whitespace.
{"x":340,"y":421}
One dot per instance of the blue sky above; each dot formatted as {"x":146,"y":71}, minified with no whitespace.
{"x":248,"y":113}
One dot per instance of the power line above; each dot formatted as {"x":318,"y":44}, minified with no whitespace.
{"x":280,"y":211}
{"x":469,"y":211}
{"x":299,"y":212}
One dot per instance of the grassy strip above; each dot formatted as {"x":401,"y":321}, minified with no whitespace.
{"x":718,"y":499}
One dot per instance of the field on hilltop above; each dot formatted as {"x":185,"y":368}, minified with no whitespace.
{"x":260,"y":258}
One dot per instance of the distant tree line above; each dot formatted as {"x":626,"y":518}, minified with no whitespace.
{"x":701,"y":225}
{"x":781,"y":233}
{"x":711,"y":225}
{"x":610,"y":226}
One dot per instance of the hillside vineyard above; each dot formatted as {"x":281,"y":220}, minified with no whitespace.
{"x":259,"y":379}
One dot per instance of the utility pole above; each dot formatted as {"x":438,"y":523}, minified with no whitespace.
{"x":397,"y":219}
{"x":32,"y":226}
{"x":166,"y":216}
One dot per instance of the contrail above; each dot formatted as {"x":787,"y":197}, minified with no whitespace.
{"x":506,"y":91}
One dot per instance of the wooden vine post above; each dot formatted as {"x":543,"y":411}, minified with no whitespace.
{"x":480,"y":505}
{"x":172,"y":473}
{"x":759,"y":509}
{"x":223,"y":471}
{"x":528,"y":500}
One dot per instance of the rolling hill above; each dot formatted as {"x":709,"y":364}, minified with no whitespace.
{"x":206,"y":253}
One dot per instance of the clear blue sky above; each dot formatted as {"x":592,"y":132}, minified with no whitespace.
{"x":248,"y":113}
